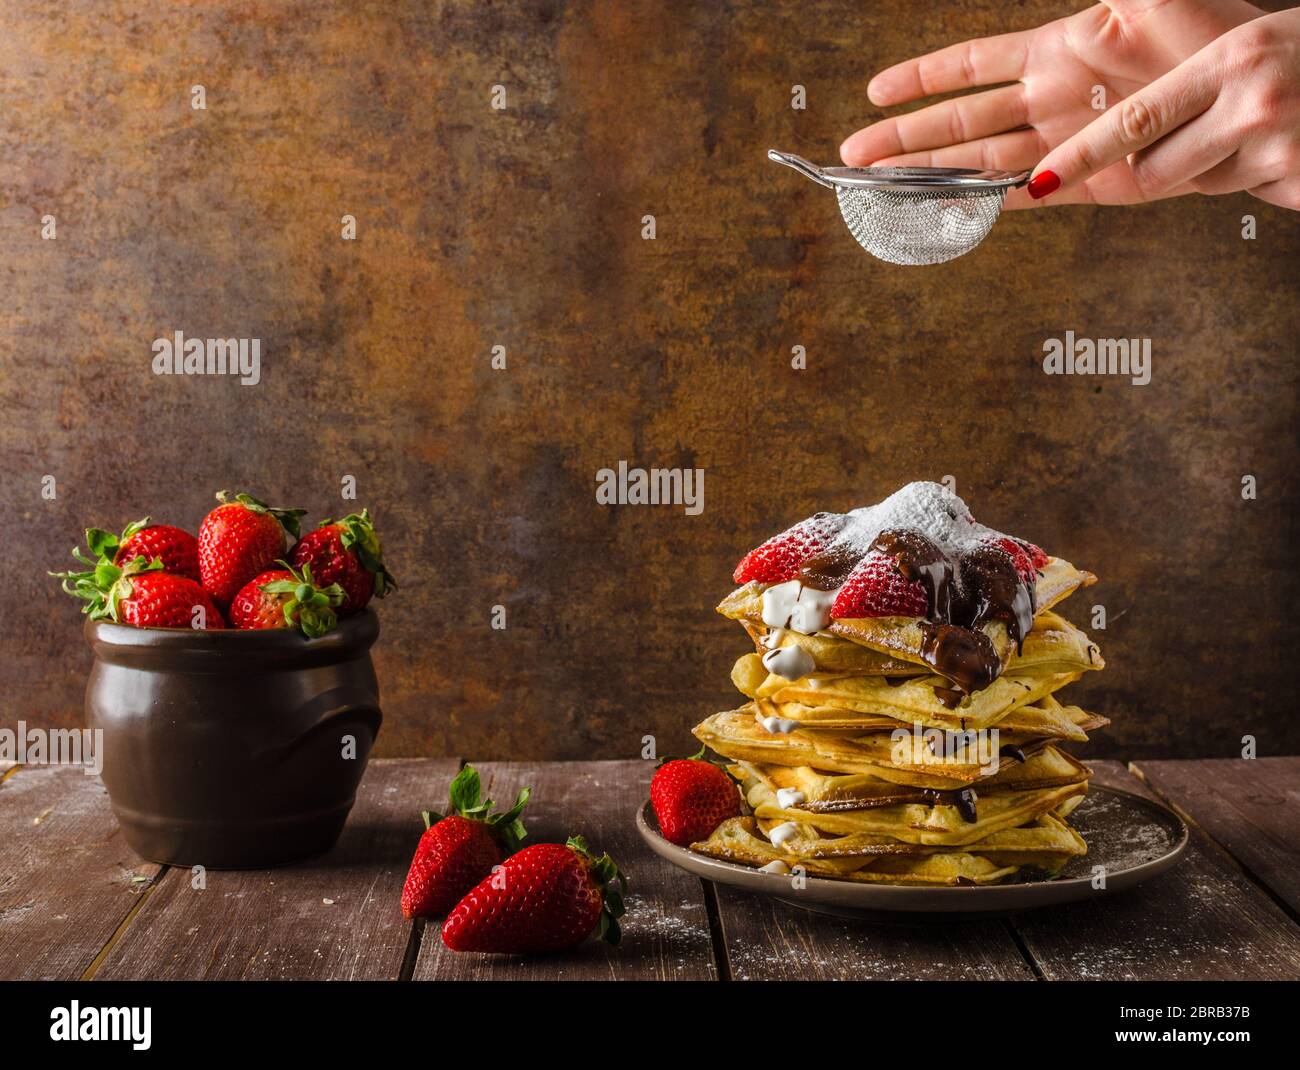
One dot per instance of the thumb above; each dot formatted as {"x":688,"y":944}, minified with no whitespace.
{"x":1134,"y":123}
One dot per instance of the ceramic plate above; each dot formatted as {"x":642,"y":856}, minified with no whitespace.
{"x":1134,"y":838}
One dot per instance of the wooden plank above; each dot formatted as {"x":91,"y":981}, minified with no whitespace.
{"x":770,"y":941}
{"x":334,"y":917}
{"x":67,"y":879}
{"x":1202,"y":920}
{"x":1250,"y":808}
{"x":666,"y":930}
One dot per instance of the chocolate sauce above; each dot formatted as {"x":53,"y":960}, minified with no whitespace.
{"x":982,"y":584}
{"x":964,"y":800}
{"x":964,"y":656}
{"x":919,"y":559}
{"x":1012,"y":751}
{"x":993,"y":589}
{"x":949,"y":696}
{"x":827,"y":571}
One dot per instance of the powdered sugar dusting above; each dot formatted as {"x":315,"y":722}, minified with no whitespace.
{"x":930,"y":508}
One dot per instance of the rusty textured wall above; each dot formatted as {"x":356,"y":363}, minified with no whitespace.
{"x":522,"y":227}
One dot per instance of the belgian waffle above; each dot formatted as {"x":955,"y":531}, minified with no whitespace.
{"x":902,"y":720}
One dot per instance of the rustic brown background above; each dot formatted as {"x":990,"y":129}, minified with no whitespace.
{"x":522,"y":228}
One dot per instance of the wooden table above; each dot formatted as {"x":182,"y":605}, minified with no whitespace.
{"x":76,"y":903}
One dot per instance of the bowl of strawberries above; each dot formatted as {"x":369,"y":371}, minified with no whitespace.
{"x":232,"y":679}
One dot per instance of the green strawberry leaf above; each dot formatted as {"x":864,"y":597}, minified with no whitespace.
{"x":604,"y":871}
{"x":507,"y":827}
{"x":609,"y":931}
{"x":465,"y":790}
{"x":466,"y":801}
{"x":101,"y":543}
{"x":310,"y":608}
{"x":359,"y":536}
{"x":94,"y":583}
{"x":104,"y":585}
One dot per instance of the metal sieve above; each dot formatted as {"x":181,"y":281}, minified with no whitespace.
{"x":913,"y":215}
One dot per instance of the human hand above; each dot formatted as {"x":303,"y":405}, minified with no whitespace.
{"x":1227,"y":119}
{"x":1122,"y":47}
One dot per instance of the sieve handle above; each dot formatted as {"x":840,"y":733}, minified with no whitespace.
{"x":808,"y":170}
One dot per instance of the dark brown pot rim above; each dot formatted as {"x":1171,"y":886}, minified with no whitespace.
{"x":125,"y":644}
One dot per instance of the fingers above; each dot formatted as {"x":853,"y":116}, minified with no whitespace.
{"x":951,"y":123}
{"x":1242,"y":170}
{"x":1134,"y":123}
{"x":985,"y":61}
{"x":1285,"y":192}
{"x":1018,"y":150}
{"x":1186,"y":154}
{"x":1096,"y":190}
{"x":1224,"y":177}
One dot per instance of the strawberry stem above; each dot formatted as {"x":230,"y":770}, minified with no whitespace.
{"x":698,"y":756}
{"x":288,"y":518}
{"x":465,"y":800}
{"x":359,"y":536}
{"x":310,"y":608}
{"x":104,"y":585}
{"x":605,"y":871}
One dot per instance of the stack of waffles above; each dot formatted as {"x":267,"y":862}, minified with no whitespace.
{"x":902,"y":721}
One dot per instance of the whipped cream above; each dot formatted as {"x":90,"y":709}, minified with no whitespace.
{"x":778,"y":725}
{"x":788,"y":797}
{"x":775,"y":866}
{"x":787,"y":830}
{"x":789,"y":662}
{"x":799,"y":608}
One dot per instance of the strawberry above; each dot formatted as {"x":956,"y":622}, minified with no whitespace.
{"x":691,"y":798}
{"x":239,"y":539}
{"x":286,"y":598}
{"x":1027,"y":557}
{"x":177,"y":549}
{"x":346,"y":552}
{"x":875,"y":588}
{"x":459,"y":850}
{"x":140,"y":593}
{"x":548,"y":897}
{"x":778,"y":559}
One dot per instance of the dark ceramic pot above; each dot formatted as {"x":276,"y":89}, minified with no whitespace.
{"x":229,"y":749}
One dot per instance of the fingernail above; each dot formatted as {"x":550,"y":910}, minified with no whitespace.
{"x":1043,"y":183}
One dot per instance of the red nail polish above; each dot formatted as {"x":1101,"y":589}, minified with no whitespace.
{"x":1043,"y":183}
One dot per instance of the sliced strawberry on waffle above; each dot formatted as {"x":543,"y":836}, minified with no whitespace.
{"x":1027,"y":557}
{"x":875,"y":588}
{"x":778,"y":559}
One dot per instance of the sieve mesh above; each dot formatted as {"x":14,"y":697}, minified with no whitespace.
{"x":907,"y":226}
